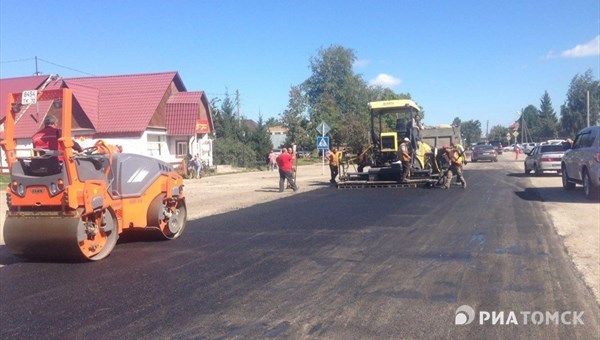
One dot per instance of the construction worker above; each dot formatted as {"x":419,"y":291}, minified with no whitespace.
{"x":47,"y":138}
{"x":461,"y":156}
{"x":455,"y":166}
{"x":404,"y":156}
{"x":334,"y":163}
{"x":284,"y":163}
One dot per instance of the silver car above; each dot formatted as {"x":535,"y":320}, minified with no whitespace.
{"x":544,"y":158}
{"x":581,"y":164}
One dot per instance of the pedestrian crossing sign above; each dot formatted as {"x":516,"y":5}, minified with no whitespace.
{"x":322,"y":143}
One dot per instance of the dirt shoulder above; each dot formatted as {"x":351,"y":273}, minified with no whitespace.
{"x":219,"y":194}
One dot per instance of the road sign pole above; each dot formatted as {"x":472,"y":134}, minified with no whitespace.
{"x":323,"y":151}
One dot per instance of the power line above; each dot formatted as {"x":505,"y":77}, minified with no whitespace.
{"x":46,"y":61}
{"x":15,"y":61}
{"x":65,"y":67}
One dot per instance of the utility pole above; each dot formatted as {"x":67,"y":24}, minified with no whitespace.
{"x":37,"y":73}
{"x":487,"y":125}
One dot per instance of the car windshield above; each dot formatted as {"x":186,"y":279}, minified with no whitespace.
{"x":552,"y":148}
{"x":484,"y":147}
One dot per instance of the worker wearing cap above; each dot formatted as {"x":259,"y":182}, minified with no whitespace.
{"x":404,"y":156}
{"x":455,"y":166}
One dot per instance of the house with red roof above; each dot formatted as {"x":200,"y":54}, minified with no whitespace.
{"x":150,"y":114}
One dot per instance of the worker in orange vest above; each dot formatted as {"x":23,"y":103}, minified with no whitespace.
{"x":404,"y":156}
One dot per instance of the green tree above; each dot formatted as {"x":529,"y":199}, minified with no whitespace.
{"x":529,"y":121}
{"x":294,"y":118}
{"x":233,"y":141}
{"x":334,"y":92}
{"x":261,"y":141}
{"x":574,"y":111}
{"x":272,"y":121}
{"x":548,"y":123}
{"x":471,"y":131}
{"x":498,"y":132}
{"x":456,"y":121}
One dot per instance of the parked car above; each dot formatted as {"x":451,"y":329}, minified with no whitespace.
{"x":498,"y":145}
{"x":544,"y":158}
{"x":526,"y":147}
{"x":484,"y":152}
{"x":581,"y":164}
{"x":553,"y":142}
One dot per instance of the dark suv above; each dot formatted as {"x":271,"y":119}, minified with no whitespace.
{"x":581,"y":164}
{"x":497,"y":145}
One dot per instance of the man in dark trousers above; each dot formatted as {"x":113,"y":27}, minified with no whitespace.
{"x":334,"y":163}
{"x":404,"y":156}
{"x":453,"y":158}
{"x":284,"y":163}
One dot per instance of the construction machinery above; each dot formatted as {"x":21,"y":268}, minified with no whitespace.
{"x":391,"y":122}
{"x":68,"y":206}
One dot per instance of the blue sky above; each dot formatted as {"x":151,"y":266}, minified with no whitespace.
{"x":481,"y":59}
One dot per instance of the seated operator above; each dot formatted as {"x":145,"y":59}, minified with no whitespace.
{"x":47,"y":138}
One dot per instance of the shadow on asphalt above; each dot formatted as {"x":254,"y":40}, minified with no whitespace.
{"x":523,"y":175}
{"x":553,"y":194}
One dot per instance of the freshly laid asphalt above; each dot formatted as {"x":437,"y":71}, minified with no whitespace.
{"x":345,"y":264}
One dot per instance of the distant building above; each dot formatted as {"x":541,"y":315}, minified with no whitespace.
{"x":149,"y":114}
{"x":278,"y":135}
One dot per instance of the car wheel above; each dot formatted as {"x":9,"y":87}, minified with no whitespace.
{"x":495,"y":159}
{"x":537,"y":170}
{"x":567,"y":185}
{"x":527,"y":171}
{"x":591,"y":192}
{"x":474,"y":160}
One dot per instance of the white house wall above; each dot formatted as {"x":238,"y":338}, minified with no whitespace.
{"x":136,"y":145}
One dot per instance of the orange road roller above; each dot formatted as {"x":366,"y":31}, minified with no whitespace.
{"x":73,"y":206}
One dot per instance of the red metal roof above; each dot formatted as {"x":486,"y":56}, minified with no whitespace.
{"x":125,"y":103}
{"x":122,"y":104}
{"x":87,"y":97}
{"x":183,"y":110}
{"x":181,"y":119}
{"x":31,"y":119}
{"x":16,"y":85}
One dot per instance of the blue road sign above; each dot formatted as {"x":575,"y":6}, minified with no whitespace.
{"x":322,"y":143}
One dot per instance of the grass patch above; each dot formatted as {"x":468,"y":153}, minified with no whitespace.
{"x":4,"y":180}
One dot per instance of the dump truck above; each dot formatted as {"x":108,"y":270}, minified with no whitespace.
{"x":72,"y":206}
{"x":389,"y":125}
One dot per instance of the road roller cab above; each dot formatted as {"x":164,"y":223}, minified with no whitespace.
{"x":68,"y":206}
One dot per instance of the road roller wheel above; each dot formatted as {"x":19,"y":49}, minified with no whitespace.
{"x":98,"y":237}
{"x":170,"y":219}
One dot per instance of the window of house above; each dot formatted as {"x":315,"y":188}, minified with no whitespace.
{"x":155,"y":144}
{"x":182,"y":148}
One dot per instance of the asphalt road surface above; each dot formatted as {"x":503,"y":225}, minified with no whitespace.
{"x":345,"y":264}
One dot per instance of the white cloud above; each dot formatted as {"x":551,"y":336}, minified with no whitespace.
{"x":592,"y":48}
{"x":361,"y":63}
{"x":385,"y":80}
